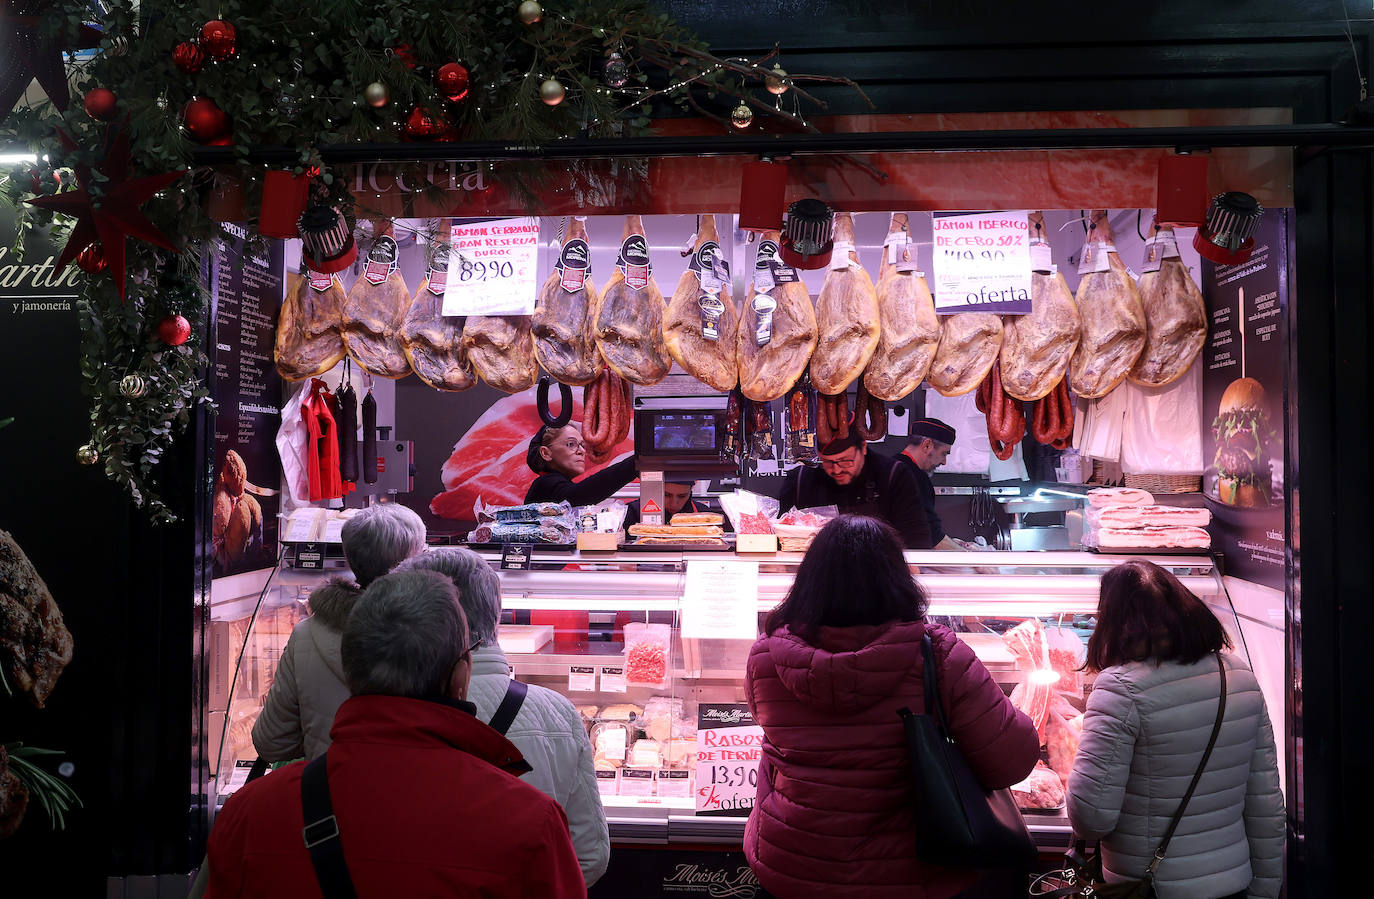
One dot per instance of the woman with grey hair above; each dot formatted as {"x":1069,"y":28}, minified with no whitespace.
{"x":309,"y":684}
{"x":547,"y":729}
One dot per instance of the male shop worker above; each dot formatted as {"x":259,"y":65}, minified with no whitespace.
{"x":415,"y":796}
{"x":927,"y":449}
{"x":860,"y":482}
{"x":677,"y":497}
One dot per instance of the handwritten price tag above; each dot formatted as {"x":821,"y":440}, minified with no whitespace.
{"x":492,"y":267}
{"x":982,"y":263}
{"x":729,"y":745}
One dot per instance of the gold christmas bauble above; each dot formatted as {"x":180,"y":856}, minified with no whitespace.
{"x":133,"y":386}
{"x":777,"y":81}
{"x":87,"y":455}
{"x":552,"y":92}
{"x":530,"y":12}
{"x":742,"y":116}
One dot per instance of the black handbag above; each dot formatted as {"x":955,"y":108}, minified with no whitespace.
{"x":959,"y":824}
{"x":1081,"y":875}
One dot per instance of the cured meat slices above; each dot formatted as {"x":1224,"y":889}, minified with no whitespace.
{"x":847,"y":318}
{"x":1036,"y":348}
{"x":375,"y":311}
{"x":628,"y":324}
{"x":768,"y":369}
{"x":564,"y":341}
{"x":501,"y":350}
{"x":35,"y":645}
{"x":909,"y":330}
{"x":309,"y":328}
{"x":1175,"y":319}
{"x":433,"y":344}
{"x":969,"y":344}
{"x":700,"y":325}
{"x":1112,"y":318}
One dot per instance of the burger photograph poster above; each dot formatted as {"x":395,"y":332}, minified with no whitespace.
{"x":1245,"y":361}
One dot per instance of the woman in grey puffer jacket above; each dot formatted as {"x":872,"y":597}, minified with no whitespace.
{"x":308,"y":686}
{"x":1151,"y":712}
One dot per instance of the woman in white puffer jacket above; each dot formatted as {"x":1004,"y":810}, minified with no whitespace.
{"x":1151,"y":712}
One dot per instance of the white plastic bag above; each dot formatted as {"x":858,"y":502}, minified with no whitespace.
{"x":971,"y":453}
{"x":1163,"y":427}
{"x":293,"y":442}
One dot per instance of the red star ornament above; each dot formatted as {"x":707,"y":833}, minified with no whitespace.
{"x":32,"y":52}
{"x":117,"y":214}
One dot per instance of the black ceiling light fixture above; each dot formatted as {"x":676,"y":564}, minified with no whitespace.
{"x":806,"y":242}
{"x":1227,"y":236}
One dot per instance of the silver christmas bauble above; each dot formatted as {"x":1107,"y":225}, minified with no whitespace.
{"x":376,"y":94}
{"x":742,"y":116}
{"x":530,"y":12}
{"x":552,"y":92}
{"x":776,"y":82}
{"x":617,"y":71}
{"x":87,"y":455}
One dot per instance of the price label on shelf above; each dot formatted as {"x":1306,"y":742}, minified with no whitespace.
{"x":729,"y":745}
{"x":982,"y":263}
{"x":492,"y":267}
{"x":612,"y":678}
{"x":581,"y":678}
{"x":719,"y":600}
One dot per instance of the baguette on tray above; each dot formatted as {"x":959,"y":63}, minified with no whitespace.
{"x":659,"y":530}
{"x":681,"y":541}
{"x":689,"y":519}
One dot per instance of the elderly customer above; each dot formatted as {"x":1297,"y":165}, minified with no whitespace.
{"x":546,"y":728}
{"x":415,"y":794}
{"x":309,"y":683}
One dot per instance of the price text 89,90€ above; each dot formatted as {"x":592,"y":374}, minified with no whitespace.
{"x":469,"y":270}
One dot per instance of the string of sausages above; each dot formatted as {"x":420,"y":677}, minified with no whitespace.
{"x":832,"y":413}
{"x":1052,"y":417}
{"x":870,"y":414}
{"x":1006,"y":418}
{"x":606,"y":413}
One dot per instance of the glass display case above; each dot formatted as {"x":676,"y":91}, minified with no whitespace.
{"x":607,"y":631}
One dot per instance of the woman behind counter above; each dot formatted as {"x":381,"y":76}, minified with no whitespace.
{"x":558,"y":455}
{"x":841,"y":654}
{"x":1156,"y":648}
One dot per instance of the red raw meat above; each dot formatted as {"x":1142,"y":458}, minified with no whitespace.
{"x":488,"y":461}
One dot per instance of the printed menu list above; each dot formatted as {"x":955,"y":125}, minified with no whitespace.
{"x":246,"y":290}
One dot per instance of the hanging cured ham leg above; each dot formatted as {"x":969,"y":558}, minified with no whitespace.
{"x":375,"y":311}
{"x":309,"y":328}
{"x":629,"y":317}
{"x":910,"y":329}
{"x":1112,"y":318}
{"x":969,"y":344}
{"x":847,"y":317}
{"x":564,"y":342}
{"x":434,"y":344}
{"x":1036,"y":348}
{"x":501,"y":350}
{"x":701,"y":325}
{"x":774,"y":345}
{"x":1175,"y":318}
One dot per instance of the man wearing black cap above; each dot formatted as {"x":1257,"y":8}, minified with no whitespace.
{"x":927,"y":449}
{"x":677,"y":497}
{"x":859,"y":482}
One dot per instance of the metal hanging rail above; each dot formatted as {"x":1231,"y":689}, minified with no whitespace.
{"x":1179,"y":139}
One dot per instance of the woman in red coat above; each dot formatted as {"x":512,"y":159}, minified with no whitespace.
{"x":839,"y":657}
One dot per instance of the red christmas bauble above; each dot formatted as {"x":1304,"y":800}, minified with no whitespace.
{"x":173,"y":330}
{"x":404,"y":54}
{"x":188,"y":57}
{"x":420,"y":125}
{"x":204,"y":119}
{"x":452,"y":81}
{"x":92,"y":259}
{"x":100,"y":104}
{"x":218,"y":37}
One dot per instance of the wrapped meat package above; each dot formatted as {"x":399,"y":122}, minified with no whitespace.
{"x":646,"y":654}
{"x":1043,"y":790}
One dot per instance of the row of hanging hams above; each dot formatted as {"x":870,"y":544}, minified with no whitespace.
{"x":886,"y":335}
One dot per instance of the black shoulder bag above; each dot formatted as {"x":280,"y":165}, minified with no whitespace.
{"x":1082,"y":876}
{"x":958,"y":823}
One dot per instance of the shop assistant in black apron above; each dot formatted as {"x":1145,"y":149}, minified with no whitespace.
{"x":927,"y":449}
{"x":677,"y":497}
{"x":558,"y":455}
{"x":860,"y":482}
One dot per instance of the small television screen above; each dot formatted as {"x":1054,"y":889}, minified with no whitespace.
{"x":688,"y":432}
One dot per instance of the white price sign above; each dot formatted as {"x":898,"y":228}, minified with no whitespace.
{"x":720,"y":600}
{"x":492,"y":267}
{"x":982,"y":263}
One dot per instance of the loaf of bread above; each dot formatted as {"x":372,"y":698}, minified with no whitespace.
{"x":687,"y":519}
{"x":659,"y":530}
{"x":682,"y":541}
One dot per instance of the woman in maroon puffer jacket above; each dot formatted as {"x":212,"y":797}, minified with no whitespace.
{"x":840,"y":656}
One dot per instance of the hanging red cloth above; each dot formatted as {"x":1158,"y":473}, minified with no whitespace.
{"x":322,"y":453}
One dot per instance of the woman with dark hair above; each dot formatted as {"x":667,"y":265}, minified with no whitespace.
{"x":841,"y":654}
{"x":1157,"y":650}
{"x":558,"y":455}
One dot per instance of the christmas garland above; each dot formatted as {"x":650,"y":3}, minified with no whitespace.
{"x":310,"y":74}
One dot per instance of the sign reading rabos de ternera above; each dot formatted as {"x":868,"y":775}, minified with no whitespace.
{"x":729,"y":745}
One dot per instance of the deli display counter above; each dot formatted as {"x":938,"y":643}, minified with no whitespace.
{"x":651,"y":649}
